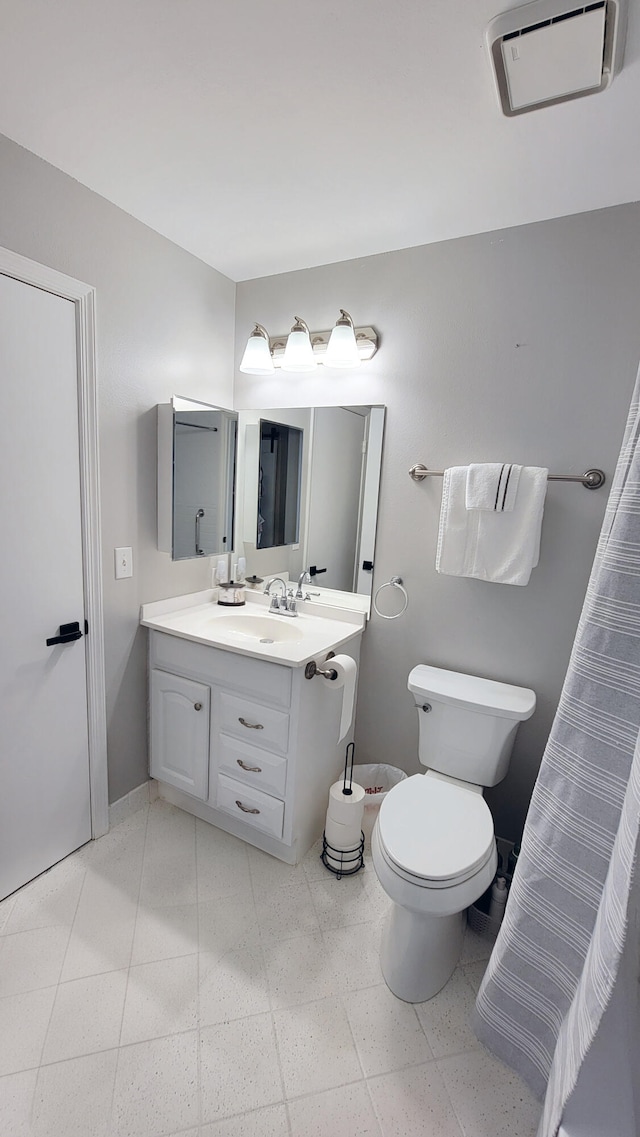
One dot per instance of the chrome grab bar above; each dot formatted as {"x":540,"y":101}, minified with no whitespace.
{"x":199,"y":549}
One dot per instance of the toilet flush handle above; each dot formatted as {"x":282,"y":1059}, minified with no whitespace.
{"x":426,"y":707}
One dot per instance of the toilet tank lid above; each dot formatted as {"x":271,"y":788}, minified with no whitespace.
{"x":483,"y":695}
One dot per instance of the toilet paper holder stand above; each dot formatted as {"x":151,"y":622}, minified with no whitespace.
{"x":343,"y":862}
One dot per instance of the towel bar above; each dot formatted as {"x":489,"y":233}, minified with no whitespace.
{"x":591,"y":479}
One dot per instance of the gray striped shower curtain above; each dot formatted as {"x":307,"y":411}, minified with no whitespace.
{"x":556,"y":959}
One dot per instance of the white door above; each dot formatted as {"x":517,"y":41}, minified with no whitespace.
{"x":44,"y":759}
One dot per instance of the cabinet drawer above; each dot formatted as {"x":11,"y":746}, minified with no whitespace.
{"x":268,"y":681}
{"x":252,"y":767}
{"x":250,"y":805}
{"x":254,"y":723}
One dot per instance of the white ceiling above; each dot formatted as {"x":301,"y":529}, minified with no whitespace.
{"x":268,"y":135}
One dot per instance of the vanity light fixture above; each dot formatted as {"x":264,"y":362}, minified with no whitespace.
{"x":301,"y":350}
{"x":298,"y":354}
{"x":342,"y":349}
{"x":257,"y":354}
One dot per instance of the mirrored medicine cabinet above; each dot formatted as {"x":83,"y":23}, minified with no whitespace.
{"x":287,"y":488}
{"x":197,"y":447}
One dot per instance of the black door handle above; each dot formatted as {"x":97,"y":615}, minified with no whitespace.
{"x":315,"y":571}
{"x":68,"y":633}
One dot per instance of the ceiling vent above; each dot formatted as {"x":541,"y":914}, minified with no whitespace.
{"x":549,"y":52}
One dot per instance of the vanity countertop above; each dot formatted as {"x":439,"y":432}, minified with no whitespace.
{"x":252,"y":630}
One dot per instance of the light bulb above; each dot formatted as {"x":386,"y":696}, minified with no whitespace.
{"x":298,"y":354}
{"x":257,"y":355}
{"x":342,"y":349}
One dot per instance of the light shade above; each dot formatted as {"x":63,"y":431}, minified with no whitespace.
{"x":342,"y":349}
{"x":298,"y":354}
{"x":257,"y":355}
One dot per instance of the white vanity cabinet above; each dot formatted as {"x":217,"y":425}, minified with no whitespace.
{"x":248,"y":745}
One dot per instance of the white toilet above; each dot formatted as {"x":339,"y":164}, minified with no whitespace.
{"x":433,"y":844}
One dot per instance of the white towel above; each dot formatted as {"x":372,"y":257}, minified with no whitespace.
{"x":487,"y":545}
{"x":493,"y":486}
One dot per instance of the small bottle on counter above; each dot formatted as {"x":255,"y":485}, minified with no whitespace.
{"x":498,"y":900}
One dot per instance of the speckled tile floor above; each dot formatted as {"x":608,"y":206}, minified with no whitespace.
{"x":170,"y":980}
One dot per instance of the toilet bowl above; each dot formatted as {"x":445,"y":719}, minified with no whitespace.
{"x":434,"y":853}
{"x":433,"y":845}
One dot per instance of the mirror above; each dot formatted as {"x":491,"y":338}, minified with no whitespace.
{"x":196,"y":478}
{"x":331,"y":479}
{"x":279,"y":472}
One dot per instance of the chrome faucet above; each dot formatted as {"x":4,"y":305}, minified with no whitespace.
{"x":304,"y":578}
{"x":277,"y":603}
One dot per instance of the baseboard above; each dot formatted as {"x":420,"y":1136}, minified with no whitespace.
{"x":131,"y":803}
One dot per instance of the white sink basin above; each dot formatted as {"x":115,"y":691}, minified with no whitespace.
{"x":253,"y":630}
{"x":245,"y":627}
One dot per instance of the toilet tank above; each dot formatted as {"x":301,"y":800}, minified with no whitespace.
{"x":467,"y":724}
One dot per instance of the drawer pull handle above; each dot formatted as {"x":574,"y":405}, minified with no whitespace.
{"x":245,"y":808}
{"x":197,"y":706}
{"x":249,"y":769}
{"x":251,"y":725}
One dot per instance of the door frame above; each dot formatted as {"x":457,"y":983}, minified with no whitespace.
{"x":83,"y":297}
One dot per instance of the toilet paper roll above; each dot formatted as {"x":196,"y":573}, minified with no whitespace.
{"x":344,"y":807}
{"x":342,"y":837}
{"x":347,"y":673}
{"x":344,"y":864}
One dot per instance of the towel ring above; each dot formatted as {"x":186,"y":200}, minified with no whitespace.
{"x":395,"y":582}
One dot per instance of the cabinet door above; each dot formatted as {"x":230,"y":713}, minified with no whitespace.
{"x":180,"y":733}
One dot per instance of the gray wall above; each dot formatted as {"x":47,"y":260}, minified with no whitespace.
{"x":520,"y":345}
{"x":165,"y":326}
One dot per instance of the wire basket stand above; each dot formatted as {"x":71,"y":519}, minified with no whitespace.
{"x":344,"y":862}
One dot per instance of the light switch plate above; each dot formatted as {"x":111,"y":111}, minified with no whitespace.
{"x":123,"y":562}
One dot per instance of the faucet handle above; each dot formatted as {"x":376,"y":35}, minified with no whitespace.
{"x":290,"y":605}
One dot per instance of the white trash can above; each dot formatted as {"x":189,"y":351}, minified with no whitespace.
{"x":377,"y":779}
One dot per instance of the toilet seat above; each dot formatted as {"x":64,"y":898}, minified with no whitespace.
{"x":435,"y":833}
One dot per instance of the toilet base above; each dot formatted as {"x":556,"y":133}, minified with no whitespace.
{"x":419,"y":953}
